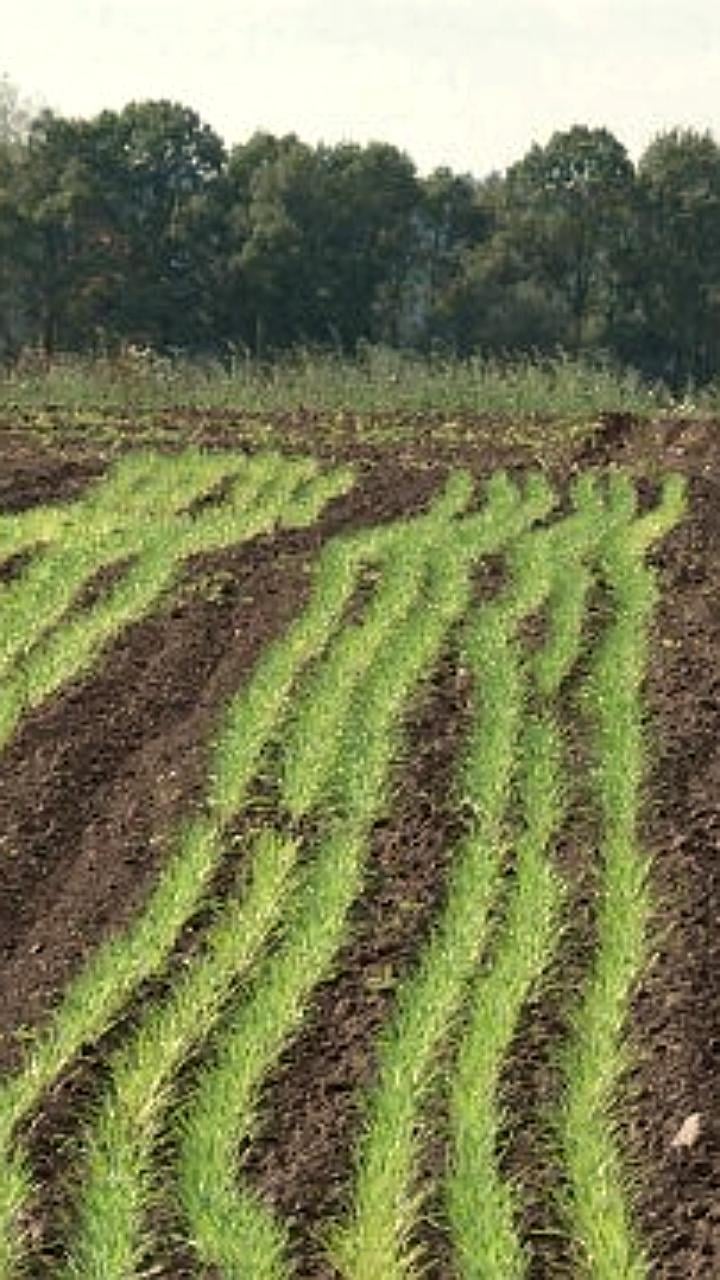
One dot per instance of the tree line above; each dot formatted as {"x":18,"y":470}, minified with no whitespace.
{"x":141,"y":227}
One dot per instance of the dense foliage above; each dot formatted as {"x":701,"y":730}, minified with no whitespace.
{"x":140,"y":227}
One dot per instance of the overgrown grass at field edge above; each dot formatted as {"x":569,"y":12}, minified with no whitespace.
{"x":379,"y":380}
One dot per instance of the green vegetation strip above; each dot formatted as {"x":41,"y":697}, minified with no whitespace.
{"x":109,"y":1241}
{"x":465,"y":542}
{"x":138,"y":486}
{"x":336,"y":736}
{"x":99,"y":993}
{"x":597,"y":1200}
{"x":92,"y":395}
{"x":314,"y":735}
{"x":384,"y":1206}
{"x":40,"y":652}
{"x":385,"y":1203}
{"x":101,"y":990}
{"x":117,"y":1186}
{"x":480,"y":1204}
{"x":112,"y":523}
{"x":232,"y":1229}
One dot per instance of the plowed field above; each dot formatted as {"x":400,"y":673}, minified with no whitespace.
{"x":379,"y":749}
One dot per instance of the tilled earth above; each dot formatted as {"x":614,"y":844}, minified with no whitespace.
{"x":94,"y":781}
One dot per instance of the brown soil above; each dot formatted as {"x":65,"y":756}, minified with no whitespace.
{"x":91,"y":787}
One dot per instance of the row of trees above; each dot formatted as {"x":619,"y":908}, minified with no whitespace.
{"x":139,"y":226}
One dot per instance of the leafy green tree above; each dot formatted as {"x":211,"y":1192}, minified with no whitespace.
{"x":454,"y":217}
{"x":678,"y":336}
{"x":374,"y":237}
{"x":547,"y":275}
{"x":16,"y":114}
{"x":155,"y":166}
{"x":320,"y":241}
{"x":275,"y":218}
{"x":52,"y":193}
{"x":113,"y":207}
{"x":474,"y":308}
{"x":569,"y":213}
{"x":136,"y":226}
{"x":15,"y":325}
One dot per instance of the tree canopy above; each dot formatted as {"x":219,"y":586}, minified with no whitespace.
{"x":140,"y":226}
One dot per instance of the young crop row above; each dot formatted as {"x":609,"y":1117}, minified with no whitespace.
{"x":509,"y":735}
{"x":323,"y":716}
{"x":144,"y":520}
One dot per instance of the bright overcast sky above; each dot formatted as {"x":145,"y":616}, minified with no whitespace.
{"x":465,"y":83}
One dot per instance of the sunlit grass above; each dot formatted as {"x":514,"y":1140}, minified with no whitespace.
{"x":117,"y":1183}
{"x":598,"y":1203}
{"x":231,"y":1228}
{"x":322,"y":718}
{"x":377,"y":1236}
{"x":114,"y":972}
{"x":138,"y":521}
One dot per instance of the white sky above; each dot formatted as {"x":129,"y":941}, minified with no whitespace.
{"x":466,"y":83}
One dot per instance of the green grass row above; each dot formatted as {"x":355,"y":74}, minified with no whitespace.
{"x":110,"y":1229}
{"x":118,"y":1183}
{"x":481,"y":1205}
{"x":386,"y":1201}
{"x":140,"y":486}
{"x":97,"y":996}
{"x":597,"y":1200}
{"x":231,"y":1228}
{"x":325,"y":708}
{"x":138,"y":520}
{"x":314,"y":737}
{"x":241,"y":1237}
